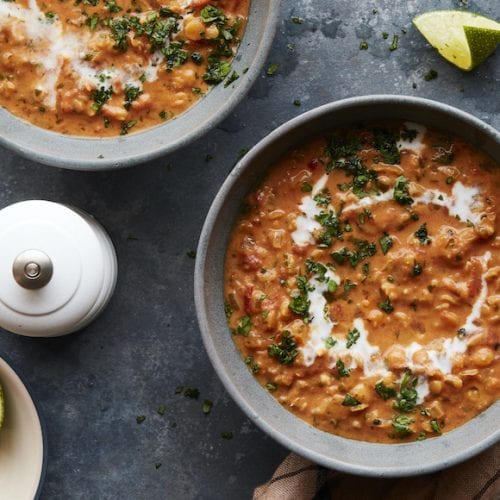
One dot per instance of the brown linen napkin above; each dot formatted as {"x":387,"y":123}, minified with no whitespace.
{"x":299,"y":479}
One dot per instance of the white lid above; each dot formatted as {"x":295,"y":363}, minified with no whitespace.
{"x":83,"y":268}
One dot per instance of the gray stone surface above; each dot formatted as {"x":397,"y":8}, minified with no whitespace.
{"x":93,"y":384}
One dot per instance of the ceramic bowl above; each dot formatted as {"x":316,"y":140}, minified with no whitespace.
{"x":357,"y":457}
{"x":83,"y":153}
{"x":22,"y":441}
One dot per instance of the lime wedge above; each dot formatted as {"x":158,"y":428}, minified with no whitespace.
{"x":463,"y":38}
{"x":2,"y":406}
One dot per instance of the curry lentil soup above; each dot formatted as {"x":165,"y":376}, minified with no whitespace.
{"x":106,"y":67}
{"x":362,"y":282}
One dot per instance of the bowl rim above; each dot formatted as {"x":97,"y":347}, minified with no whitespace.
{"x":43,"y":428}
{"x":271,"y":428}
{"x":12,"y":126}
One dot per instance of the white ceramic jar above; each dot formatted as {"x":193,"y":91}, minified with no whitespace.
{"x":58,"y":269}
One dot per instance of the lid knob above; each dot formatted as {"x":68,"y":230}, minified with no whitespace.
{"x":32,"y":269}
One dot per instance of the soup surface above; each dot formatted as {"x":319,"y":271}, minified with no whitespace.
{"x":362,"y":282}
{"x":108,"y":67}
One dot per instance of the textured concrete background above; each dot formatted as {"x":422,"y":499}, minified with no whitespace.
{"x":92,"y":385}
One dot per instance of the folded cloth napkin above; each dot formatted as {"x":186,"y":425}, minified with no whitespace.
{"x":299,"y":479}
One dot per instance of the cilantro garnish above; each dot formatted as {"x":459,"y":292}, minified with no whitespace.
{"x":207,"y":406}
{"x":385,"y":243}
{"x":417,"y":269}
{"x":211,"y":14}
{"x":385,"y":392}
{"x":131,"y":94}
{"x":323,"y":198}
{"x":401,"y":194}
{"x":406,"y":400}
{"x":216,"y":72}
{"x":100,"y":97}
{"x":126,"y":126}
{"x":175,"y":55}
{"x":342,"y":371}
{"x":401,"y":425}
{"x":386,"y":306}
{"x":350,"y":400}
{"x":435,"y":426}
{"x":244,"y":326}
{"x":422,"y":235}
{"x":286,"y":351}
{"x":364,"y":249}
{"x":300,"y":303}
{"x":331,"y":228}
{"x":352,"y":337}
{"x":386,"y":143}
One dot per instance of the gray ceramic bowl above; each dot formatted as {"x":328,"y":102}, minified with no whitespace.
{"x":381,"y":460}
{"x":82,"y":153}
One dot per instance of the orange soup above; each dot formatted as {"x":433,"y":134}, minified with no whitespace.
{"x":108,"y":67}
{"x":362,"y":282}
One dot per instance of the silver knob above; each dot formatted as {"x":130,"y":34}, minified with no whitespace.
{"x":32,"y":269}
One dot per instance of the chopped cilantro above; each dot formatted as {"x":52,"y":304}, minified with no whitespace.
{"x":297,"y":20}
{"x":422,"y":235}
{"x":401,"y":425}
{"x":386,"y":143}
{"x":385,"y":392}
{"x":341,"y":146}
{"x":330,"y":342}
{"x":50,"y":16}
{"x":111,"y":6}
{"x":323,"y":198}
{"x":348,"y":286}
{"x":227,"y":435}
{"x":207,"y":406}
{"x":272,"y":69}
{"x":101,"y":96}
{"x":331,"y":228}
{"x":191,"y":392}
{"x":401,"y":193}
{"x":232,"y":78}
{"x":342,"y":371}
{"x":286,"y":351}
{"x":406,"y":400}
{"x":435,"y":426}
{"x":386,"y":306}
{"x":364,"y":250}
{"x":176,"y":56}
{"x":131,"y":94}
{"x":385,"y":243}
{"x":196,"y":57}
{"x":126,"y":126}
{"x":430,"y":75}
{"x":417,"y":269}
{"x":363,"y":45}
{"x":140,"y":419}
{"x":297,"y":102}
{"x":161,"y":410}
{"x":352,"y":337}
{"x":191,"y":254}
{"x":394,"y":44}
{"x":162,"y":114}
{"x":306,"y":187}
{"x":244,"y":326}
{"x":350,"y":400}
{"x":216,"y":72}
{"x":271,"y":387}
{"x":228,"y":310}
{"x":300,"y":303}
{"x":211,"y":14}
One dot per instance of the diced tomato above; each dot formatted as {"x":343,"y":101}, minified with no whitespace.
{"x":313,"y":164}
{"x":247,"y":300}
{"x":250,"y":262}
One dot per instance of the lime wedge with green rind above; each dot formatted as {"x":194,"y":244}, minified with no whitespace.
{"x":2,"y":407}
{"x":463,"y":38}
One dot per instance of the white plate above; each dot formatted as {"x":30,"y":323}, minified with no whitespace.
{"x":21,"y":441}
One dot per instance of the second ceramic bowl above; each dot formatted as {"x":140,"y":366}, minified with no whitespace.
{"x":357,"y":457}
